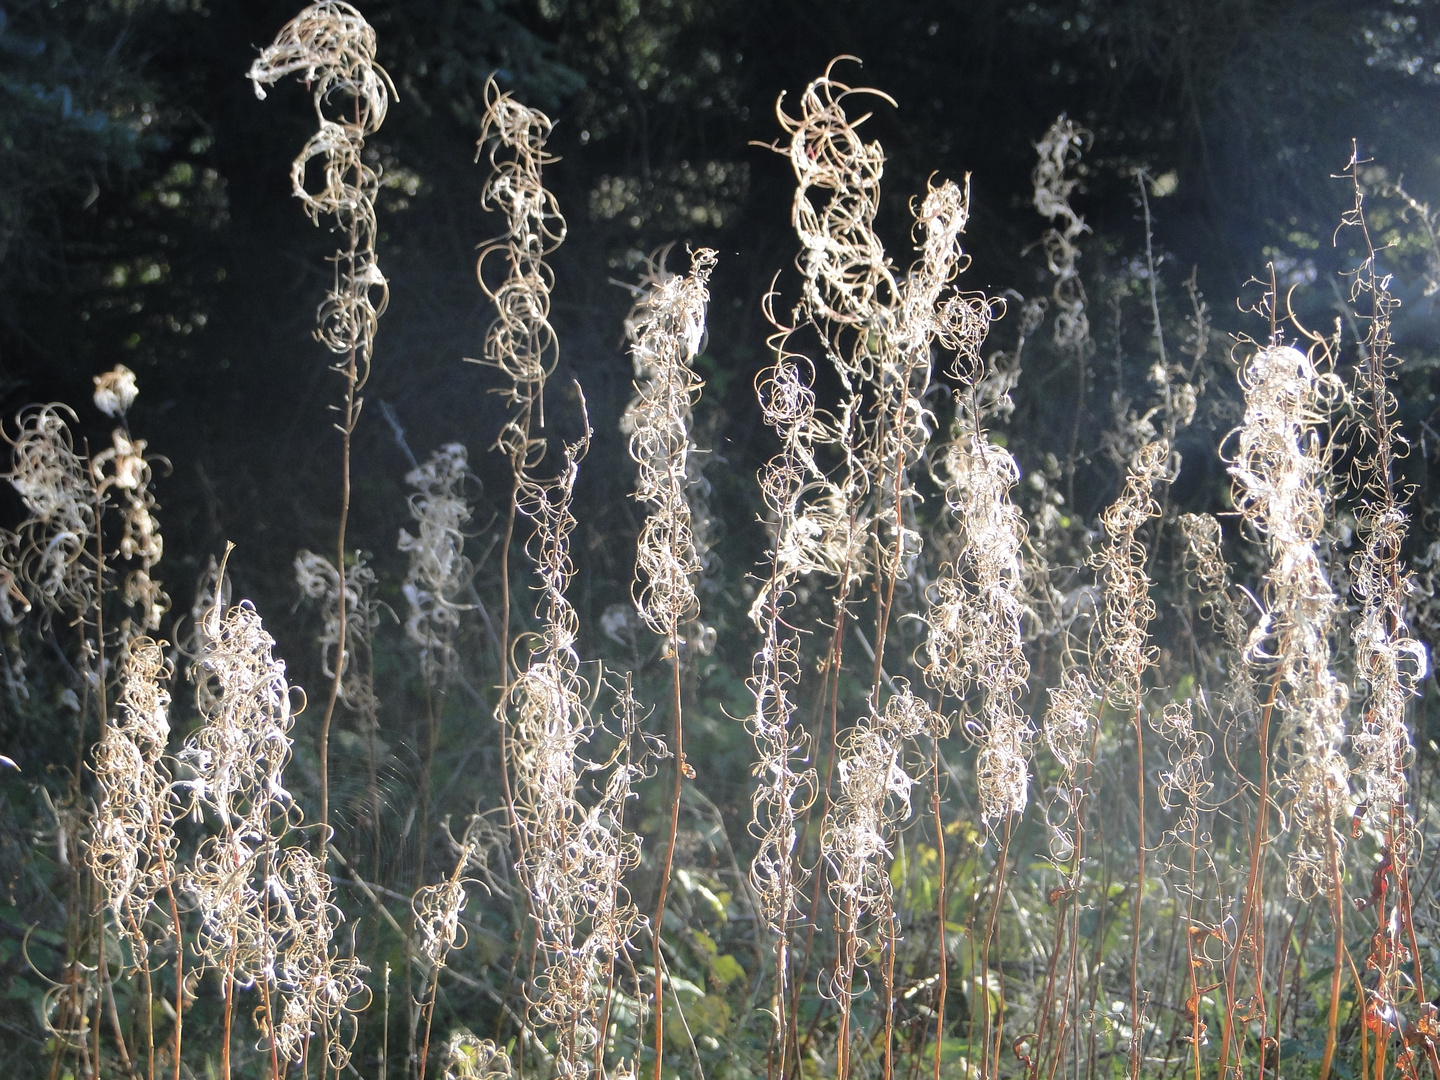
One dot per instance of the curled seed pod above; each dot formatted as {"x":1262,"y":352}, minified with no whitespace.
{"x":668,"y":327}
{"x":471,"y":1058}
{"x":975,"y":616}
{"x":236,"y":760}
{"x":1069,"y":727}
{"x":1219,"y":603}
{"x":332,"y":48}
{"x":521,"y":343}
{"x":316,"y":987}
{"x":266,"y":910}
{"x":1129,"y":608}
{"x":875,"y":786}
{"x":53,"y":542}
{"x":1187,"y":780}
{"x":574,"y":855}
{"x":784,"y":791}
{"x":1279,"y":470}
{"x":438,"y":907}
{"x":318,"y":580}
{"x":1388,"y":658}
{"x":438,"y":567}
{"x":132,"y":845}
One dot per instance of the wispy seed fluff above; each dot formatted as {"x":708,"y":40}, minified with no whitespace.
{"x":133,"y":844}
{"x":1279,"y":470}
{"x":1069,"y":726}
{"x":574,"y":856}
{"x":438,"y":567}
{"x":668,"y":330}
{"x":975,"y":616}
{"x":54,"y":484}
{"x":266,"y":911}
{"x":875,"y":784}
{"x":332,"y":48}
{"x":786,"y":785}
{"x":1392,"y":663}
{"x":1128,"y":607}
{"x":319,"y":581}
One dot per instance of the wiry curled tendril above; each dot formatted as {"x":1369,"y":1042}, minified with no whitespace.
{"x":1279,"y":469}
{"x":668,"y":328}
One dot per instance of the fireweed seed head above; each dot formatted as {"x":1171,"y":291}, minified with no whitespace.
{"x":667,"y":328}
{"x":319,"y":581}
{"x":115,"y":391}
{"x":1280,"y":473}
{"x":238,"y":754}
{"x":54,"y":484}
{"x":975,"y":614}
{"x":521,"y":343}
{"x":438,"y":569}
{"x":133,"y":841}
{"x":470,"y":1058}
{"x":125,"y":469}
{"x":331,"y":48}
{"x":1125,"y":652}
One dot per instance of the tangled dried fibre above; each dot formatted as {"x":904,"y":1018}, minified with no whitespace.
{"x":1279,"y":471}
{"x":439,"y":570}
{"x":668,"y":329}
{"x":975,"y":617}
{"x":132,"y":845}
{"x":520,"y":343}
{"x":331,"y":48}
{"x":574,"y":856}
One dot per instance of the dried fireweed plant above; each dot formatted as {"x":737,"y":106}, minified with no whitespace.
{"x":667,"y":330}
{"x":332,"y":48}
{"x":1031,"y":796}
{"x":566,"y":807}
{"x":265,"y":909}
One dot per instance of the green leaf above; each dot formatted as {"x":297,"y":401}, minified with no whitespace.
{"x":726,"y":969}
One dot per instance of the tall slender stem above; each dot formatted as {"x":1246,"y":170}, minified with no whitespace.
{"x":680,"y":768}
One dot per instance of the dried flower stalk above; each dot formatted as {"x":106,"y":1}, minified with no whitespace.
{"x":1279,"y":471}
{"x":332,"y":48}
